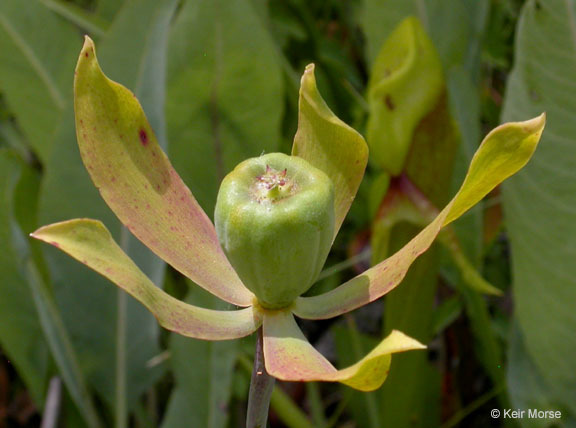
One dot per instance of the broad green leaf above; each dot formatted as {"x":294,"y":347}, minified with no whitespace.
{"x":138,"y":182}
{"x":37,"y":57}
{"x":289,"y":356}
{"x":77,"y":15}
{"x":379,"y":20}
{"x":64,"y":355}
{"x":89,"y":242}
{"x":400,"y":94}
{"x":108,"y":9}
{"x":330,"y":145}
{"x":20,"y":330}
{"x":205,"y":380}
{"x":225,"y":92}
{"x":503,"y":152}
{"x":29,"y":320}
{"x":539,"y":204}
{"x":528,"y":388}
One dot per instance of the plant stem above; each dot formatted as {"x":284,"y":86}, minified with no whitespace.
{"x":121,"y":414}
{"x":285,"y":408}
{"x":53,"y":403}
{"x":121,"y":410}
{"x":261,"y":386}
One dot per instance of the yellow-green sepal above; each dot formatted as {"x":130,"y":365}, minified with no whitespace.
{"x":89,"y":242}
{"x":502,"y":153}
{"x":329,"y":144}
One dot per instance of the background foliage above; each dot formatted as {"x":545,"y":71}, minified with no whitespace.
{"x":218,"y":80}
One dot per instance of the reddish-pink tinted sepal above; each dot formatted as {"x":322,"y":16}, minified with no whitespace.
{"x":289,"y":356}
{"x":140,"y":185}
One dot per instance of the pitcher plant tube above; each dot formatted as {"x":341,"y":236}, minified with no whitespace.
{"x":276,"y":218}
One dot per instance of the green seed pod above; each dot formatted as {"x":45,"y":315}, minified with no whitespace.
{"x":275,"y":221}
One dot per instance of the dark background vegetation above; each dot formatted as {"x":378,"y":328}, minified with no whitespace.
{"x":219,"y":82}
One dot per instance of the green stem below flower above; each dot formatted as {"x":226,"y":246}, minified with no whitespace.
{"x":261,"y":387}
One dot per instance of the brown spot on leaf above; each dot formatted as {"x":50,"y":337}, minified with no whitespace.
{"x":143,"y":137}
{"x":388,"y":102}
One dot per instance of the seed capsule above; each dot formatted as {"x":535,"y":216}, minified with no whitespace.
{"x":275,"y":221}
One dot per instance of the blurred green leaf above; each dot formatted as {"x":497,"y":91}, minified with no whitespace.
{"x":539,"y":203}
{"x":65,"y":357}
{"x":37,"y":53}
{"x":108,"y":9}
{"x":75,"y":14}
{"x":465,"y":20}
{"x":225,"y":92}
{"x":470,"y":275}
{"x":20,"y":330}
{"x":529,"y":389}
{"x":32,"y":321}
{"x":379,"y":19}
{"x":448,"y":311}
